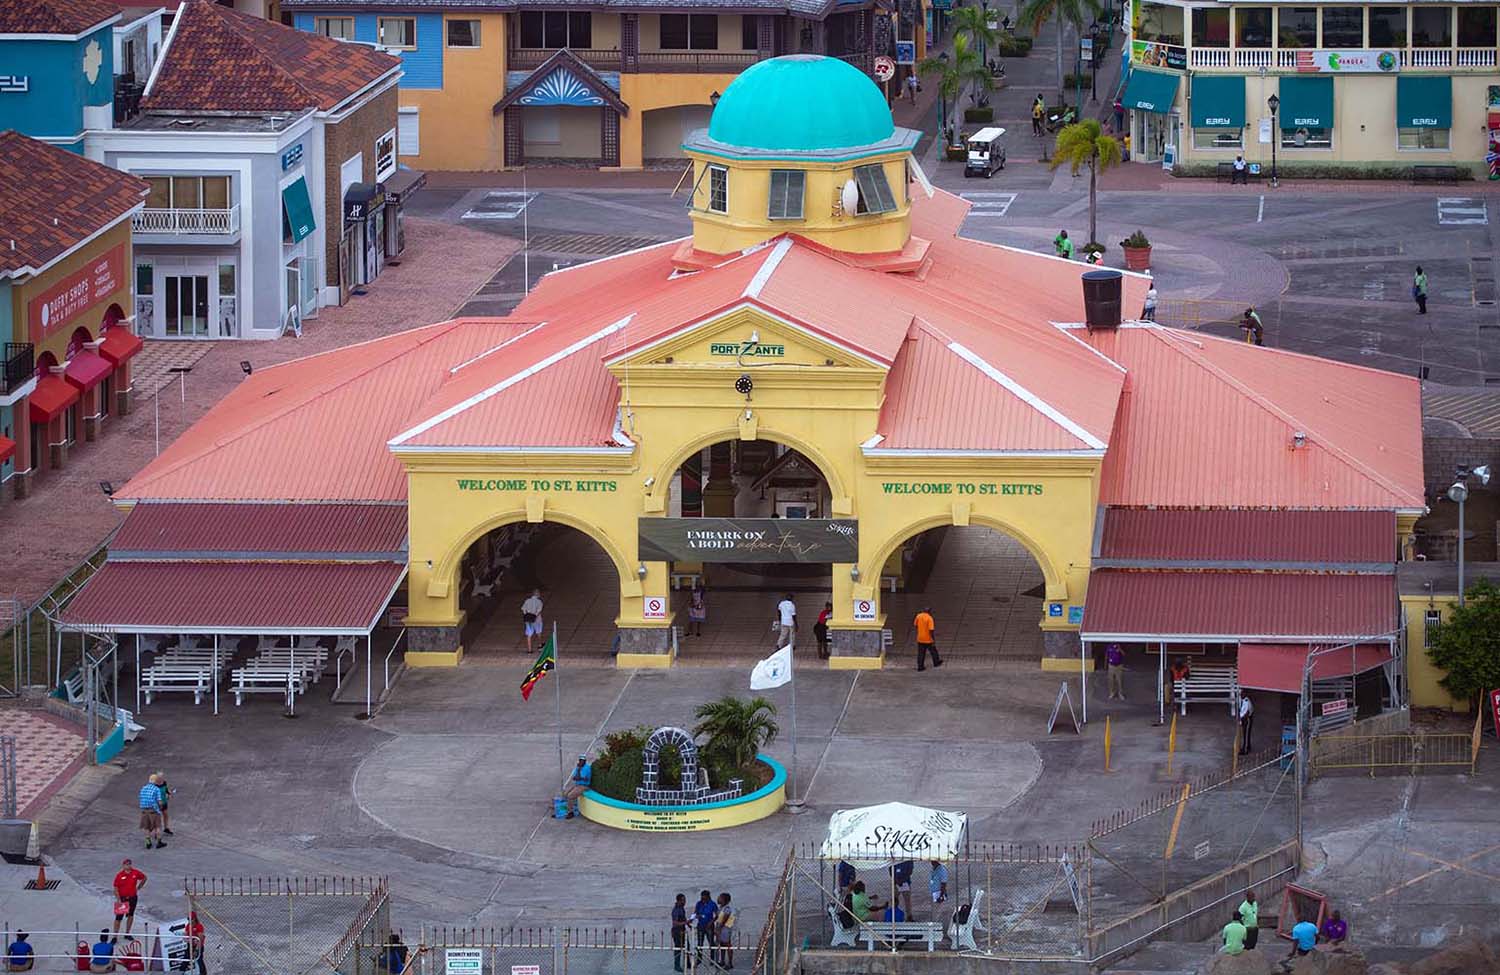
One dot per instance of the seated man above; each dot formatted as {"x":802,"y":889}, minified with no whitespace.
{"x":865,"y":907}
{"x":1304,"y":939}
{"x":1234,"y":936}
{"x":893,"y":912}
{"x":579,"y":781}
{"x":20,"y":956}
{"x":1180,"y":669}
{"x":102,"y":956}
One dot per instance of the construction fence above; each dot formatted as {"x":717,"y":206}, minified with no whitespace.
{"x":1358,"y":749}
{"x":554,"y":951}
{"x":291,"y":926}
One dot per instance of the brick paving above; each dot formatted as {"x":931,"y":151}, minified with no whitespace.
{"x":46,"y":750}
{"x":67,"y":515}
{"x":1151,"y":177}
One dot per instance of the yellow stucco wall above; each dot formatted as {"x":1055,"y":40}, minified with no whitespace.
{"x":646,"y":92}
{"x":1421,"y":674}
{"x":22,"y":294}
{"x":817,"y":398}
{"x":458,"y":129}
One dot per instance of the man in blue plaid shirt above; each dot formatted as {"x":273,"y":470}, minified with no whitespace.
{"x":151,"y":813}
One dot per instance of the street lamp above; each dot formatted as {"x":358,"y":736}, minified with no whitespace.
{"x":1273,"y":103}
{"x":1094,"y":31}
{"x":1459,"y":492}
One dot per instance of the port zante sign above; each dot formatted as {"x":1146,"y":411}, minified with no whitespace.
{"x":749,"y":539}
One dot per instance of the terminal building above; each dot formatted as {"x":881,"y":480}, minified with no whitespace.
{"x":825,"y":390}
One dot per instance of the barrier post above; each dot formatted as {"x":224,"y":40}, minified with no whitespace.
{"x":1171,"y":744}
{"x":1107,"y":743}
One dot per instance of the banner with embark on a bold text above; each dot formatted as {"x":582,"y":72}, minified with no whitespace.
{"x":749,"y":540}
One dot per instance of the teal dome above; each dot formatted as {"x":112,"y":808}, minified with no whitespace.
{"x":801,"y":102}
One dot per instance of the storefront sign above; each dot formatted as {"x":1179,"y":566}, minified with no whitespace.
{"x":558,"y":485}
{"x":864,"y":611}
{"x":885,"y":68}
{"x":906,"y":52}
{"x":385,"y":156}
{"x":464,"y":961}
{"x":291,"y":157}
{"x":749,"y":350}
{"x":748,"y":539}
{"x":1075,"y":615}
{"x":959,"y":487}
{"x":76,"y":294}
{"x":1348,"y":62}
{"x":15,"y":84}
{"x":1154,"y":55}
{"x":362,"y":200}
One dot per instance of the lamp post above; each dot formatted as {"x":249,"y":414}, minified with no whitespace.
{"x":1094,"y":62}
{"x":1273,"y":103}
{"x":1459,"y":492}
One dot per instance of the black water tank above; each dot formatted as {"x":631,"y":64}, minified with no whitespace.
{"x":1101,"y":298}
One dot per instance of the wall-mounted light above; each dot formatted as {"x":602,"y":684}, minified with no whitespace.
{"x":854,"y":572}
{"x":641,"y":570}
{"x":108,"y":488}
{"x":650,"y":481}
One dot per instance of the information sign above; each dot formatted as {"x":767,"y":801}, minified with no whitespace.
{"x":864,"y":611}
{"x":464,"y":961}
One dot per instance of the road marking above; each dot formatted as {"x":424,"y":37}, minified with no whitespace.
{"x":1435,"y":871}
{"x":1261,"y":212}
{"x":1462,"y":210}
{"x":989,"y":204}
{"x":500,"y":205}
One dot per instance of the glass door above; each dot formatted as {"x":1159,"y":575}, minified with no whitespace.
{"x":187,"y":306}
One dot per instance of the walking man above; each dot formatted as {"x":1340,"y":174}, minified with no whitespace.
{"x":706,"y":912}
{"x":1247,"y":720}
{"x":1249,"y":911}
{"x":1240,"y":174}
{"x":128,"y":884}
{"x":925,"y":626}
{"x":1038,"y":109}
{"x":579,"y":782}
{"x":1114,"y":662}
{"x":531,"y":617}
{"x":166,"y":801}
{"x":150,"y":802}
{"x":786,"y":621}
{"x":679,"y":930}
{"x":1419,"y":290}
{"x":1148,"y":314}
{"x":937,"y":885}
{"x":911,"y":87}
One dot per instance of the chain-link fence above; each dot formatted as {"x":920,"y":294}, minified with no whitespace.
{"x":291,"y":926}
{"x":553,"y":951}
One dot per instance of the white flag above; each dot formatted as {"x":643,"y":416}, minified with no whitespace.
{"x":773,"y":671}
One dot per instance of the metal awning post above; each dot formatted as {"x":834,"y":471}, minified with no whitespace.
{"x":369,"y":668}
{"x":1083,"y":676}
{"x":137,"y":673}
{"x":1161,"y":684}
{"x":214,"y":674}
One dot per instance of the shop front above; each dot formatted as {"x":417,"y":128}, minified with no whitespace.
{"x":1218,"y":112}
{"x":364,"y":232}
{"x":1155,"y":122}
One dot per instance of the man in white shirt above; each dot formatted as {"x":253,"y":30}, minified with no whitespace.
{"x":1247,"y":718}
{"x":1240,"y":175}
{"x":531,"y":617}
{"x":1148,"y":314}
{"x":786,"y":621}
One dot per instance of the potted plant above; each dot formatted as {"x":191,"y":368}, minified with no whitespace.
{"x":1092,"y":247}
{"x":1137,"y":252}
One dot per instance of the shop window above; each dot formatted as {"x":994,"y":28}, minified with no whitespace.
{"x":1344,"y":27}
{"x":340,"y":28}
{"x":398,"y":32}
{"x":1422,"y":138}
{"x":215,"y":192}
{"x":718,"y":189}
{"x":556,"y":29}
{"x":1476,"y":26}
{"x":689,"y":32}
{"x":1218,"y":138}
{"x":1306,"y":138}
{"x":1252,"y":27}
{"x":787,"y":187}
{"x":749,"y":33}
{"x":226,"y":279}
{"x":463,"y":33}
{"x":106,"y":393}
{"x":1431,"y":26}
{"x":1297,"y":27}
{"x":144,"y":279}
{"x":188,"y":192}
{"x":1387,"y":26}
{"x":1210,"y":27}
{"x":160,"y":195}
{"x":1160,"y":23}
{"x":874,"y":190}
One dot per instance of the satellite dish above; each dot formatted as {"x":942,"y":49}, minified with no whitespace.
{"x":849,"y":197}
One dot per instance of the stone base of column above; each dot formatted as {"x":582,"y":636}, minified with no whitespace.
{"x":644,"y":646}
{"x":91,"y":428}
{"x":123,"y":402}
{"x":20,"y":485}
{"x":433,"y":646}
{"x":855,"y":649}
{"x":1060,"y":650}
{"x":59,"y":453}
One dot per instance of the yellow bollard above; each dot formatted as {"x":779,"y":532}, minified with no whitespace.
{"x":1171,"y":744}
{"x":1106,"y":743}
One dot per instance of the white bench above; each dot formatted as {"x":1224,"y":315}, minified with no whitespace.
{"x":307,"y":671}
{"x":692,"y":579}
{"x":187,"y":678}
{"x":963,"y":934}
{"x":312,"y":663}
{"x":842,"y":935}
{"x":890,"y":931}
{"x":249,"y":680}
{"x":1208,"y":685}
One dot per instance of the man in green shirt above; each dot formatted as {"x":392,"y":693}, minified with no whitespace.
{"x":865,"y":907}
{"x":1419,"y":290}
{"x":1063,"y":244}
{"x":1234,"y":937}
{"x":1249,"y":914}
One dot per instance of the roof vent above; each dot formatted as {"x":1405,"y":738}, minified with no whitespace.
{"x":1101,"y":299}
{"x":1299,"y":439}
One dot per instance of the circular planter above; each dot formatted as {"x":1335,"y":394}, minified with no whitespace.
{"x":619,"y":814}
{"x":1137,"y":258}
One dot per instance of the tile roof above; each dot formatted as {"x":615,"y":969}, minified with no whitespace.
{"x":219,"y":60}
{"x":816,"y":9}
{"x":54,"y":200}
{"x":1237,"y":606}
{"x":253,"y":597}
{"x":54,"y":16}
{"x":249,"y":531}
{"x":1248,"y":535}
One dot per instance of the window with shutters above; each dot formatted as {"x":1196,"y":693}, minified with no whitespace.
{"x":874,"y":190}
{"x":786,"y":194}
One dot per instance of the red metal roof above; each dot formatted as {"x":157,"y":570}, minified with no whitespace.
{"x":246,"y":597}
{"x":288,"y":530}
{"x":1235,"y":606}
{"x":1248,"y":535}
{"x":52,"y":395}
{"x":119,"y":344}
{"x":87,"y":369}
{"x":1279,"y":666}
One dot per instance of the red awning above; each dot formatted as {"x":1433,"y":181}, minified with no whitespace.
{"x":119,"y":344}
{"x":236,"y":597}
{"x":7,"y":448}
{"x":88,"y":369}
{"x":1279,"y":666}
{"x":52,"y":395}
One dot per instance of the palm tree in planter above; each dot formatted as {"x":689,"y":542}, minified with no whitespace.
{"x":963,"y":69}
{"x":973,"y":24}
{"x":1034,"y":13}
{"x":737,"y":729}
{"x":1085,"y":144}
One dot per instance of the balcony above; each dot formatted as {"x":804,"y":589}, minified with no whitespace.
{"x":1285,"y":59}
{"x":19,"y":366}
{"x":665,"y":62}
{"x":178,"y":222}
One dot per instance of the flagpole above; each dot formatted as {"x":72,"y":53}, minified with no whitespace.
{"x":562,"y":773}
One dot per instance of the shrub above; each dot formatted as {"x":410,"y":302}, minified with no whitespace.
{"x":1092,"y":245}
{"x":1014,"y":46}
{"x":980,"y":115}
{"x":1137,"y":239}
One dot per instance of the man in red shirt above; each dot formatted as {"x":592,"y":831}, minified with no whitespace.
{"x":128,"y":884}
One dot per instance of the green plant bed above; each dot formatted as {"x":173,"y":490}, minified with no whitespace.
{"x":1014,"y":46}
{"x":983,"y":115}
{"x":617,"y":774}
{"x":1299,"y":170}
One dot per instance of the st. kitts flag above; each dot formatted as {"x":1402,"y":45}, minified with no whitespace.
{"x":545,"y":661}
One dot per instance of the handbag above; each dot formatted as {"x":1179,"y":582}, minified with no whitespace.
{"x":528,"y":617}
{"x":122,"y":908}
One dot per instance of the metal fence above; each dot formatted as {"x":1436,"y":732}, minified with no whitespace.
{"x":553,"y":951}
{"x":1219,"y":317}
{"x":291,"y":926}
{"x":1411,"y":752}
{"x":33,"y":651}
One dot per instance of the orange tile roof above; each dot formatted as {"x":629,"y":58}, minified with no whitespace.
{"x":219,"y":60}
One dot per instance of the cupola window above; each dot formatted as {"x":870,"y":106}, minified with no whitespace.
{"x":787,"y":186}
{"x":874,"y":190}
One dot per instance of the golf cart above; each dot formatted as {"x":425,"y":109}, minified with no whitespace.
{"x":986,"y":153}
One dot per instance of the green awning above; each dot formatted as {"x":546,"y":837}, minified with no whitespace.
{"x":296,"y":209}
{"x":1424,"y":102}
{"x":1150,"y":91}
{"x":1218,"y":101}
{"x":1306,"y":103}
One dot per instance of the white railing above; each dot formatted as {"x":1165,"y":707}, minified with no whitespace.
{"x":174,"y":221}
{"x":1428,"y":57}
{"x":1210,"y":57}
{"x":1285,"y":59}
{"x":1475,"y":57}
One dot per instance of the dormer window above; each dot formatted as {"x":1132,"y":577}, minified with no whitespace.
{"x":874,"y":190}
{"x":787,"y":186}
{"x":718,"y":189}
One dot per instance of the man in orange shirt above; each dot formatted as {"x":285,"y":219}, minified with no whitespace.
{"x":925,"y":625}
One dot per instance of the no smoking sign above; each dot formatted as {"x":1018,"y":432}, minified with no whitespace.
{"x":864,"y":611}
{"x":654,"y":608}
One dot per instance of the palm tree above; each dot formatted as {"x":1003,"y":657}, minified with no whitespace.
{"x":972,"y":24}
{"x":1076,"y":12}
{"x":737,"y":729}
{"x":1085,"y":144}
{"x":961,"y":69}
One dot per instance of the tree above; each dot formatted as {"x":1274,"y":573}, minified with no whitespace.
{"x":1467,"y":644}
{"x":1076,"y":12}
{"x":973,"y":24}
{"x":955,"y":72}
{"x":737,"y":729}
{"x":1085,"y":144}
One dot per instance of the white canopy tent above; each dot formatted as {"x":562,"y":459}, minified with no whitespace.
{"x":876,"y":836}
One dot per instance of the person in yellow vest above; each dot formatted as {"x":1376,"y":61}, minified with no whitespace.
{"x":1038,"y":109}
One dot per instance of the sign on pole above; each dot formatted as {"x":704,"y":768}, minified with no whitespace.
{"x":906,"y":52}
{"x":1265,"y":131}
{"x":526,"y":970}
{"x":864,"y":611}
{"x":885,"y":68}
{"x":464,"y":961}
